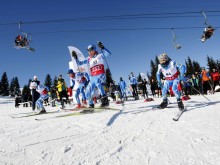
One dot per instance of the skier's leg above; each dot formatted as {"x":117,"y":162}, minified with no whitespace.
{"x":77,"y":96}
{"x":166,"y":86}
{"x":88,"y":92}
{"x":175,"y":88}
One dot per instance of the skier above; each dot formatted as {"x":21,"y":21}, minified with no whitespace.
{"x":123,"y":87}
{"x":79,"y":80}
{"x":35,"y":95}
{"x":95,"y":62}
{"x":21,"y":41}
{"x":43,"y":90}
{"x":207,"y":33}
{"x":215,"y":78}
{"x":18,"y":40}
{"x":205,"y":81}
{"x":173,"y":73}
{"x":144,"y":88}
{"x":153,"y":87}
{"x":62,"y":90}
{"x":112,"y":90}
{"x":133,"y":82}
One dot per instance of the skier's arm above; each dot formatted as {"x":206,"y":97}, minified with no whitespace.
{"x":158,"y":78}
{"x":106,"y":52}
{"x":86,"y":75}
{"x":182,"y":70}
{"x":81,"y":62}
{"x":72,"y":83}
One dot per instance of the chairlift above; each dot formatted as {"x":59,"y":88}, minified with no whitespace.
{"x":208,"y":30}
{"x":23,"y":40}
{"x":175,"y":44}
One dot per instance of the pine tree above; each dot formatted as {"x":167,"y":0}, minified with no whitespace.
{"x":14,"y":88}
{"x":4,"y":85}
{"x":25,"y":89}
{"x":196,"y":67}
{"x":55,"y":82}
{"x":153,"y":70}
{"x":48,"y":81}
{"x":17,"y":90}
{"x":108,"y":77}
{"x":189,"y":66}
{"x":218,"y":65}
{"x":11,"y":88}
{"x":29,"y":82}
{"x":139,"y":79}
{"x":0,"y":88}
{"x":211,"y":63}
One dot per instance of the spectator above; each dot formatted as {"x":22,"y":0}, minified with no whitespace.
{"x":34,"y":93}
{"x":144,"y":88}
{"x":215,"y":78}
{"x":133,"y":82}
{"x":112,"y":90}
{"x":205,"y":80}
{"x":153,"y":87}
{"x":62,"y":90}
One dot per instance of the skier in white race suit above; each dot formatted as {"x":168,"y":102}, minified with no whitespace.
{"x":173,"y":74}
{"x":96,"y":64}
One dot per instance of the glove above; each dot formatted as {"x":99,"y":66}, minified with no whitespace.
{"x":160,"y":85}
{"x":100,"y":45}
{"x":74,"y":55}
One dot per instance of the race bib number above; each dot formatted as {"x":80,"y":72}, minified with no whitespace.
{"x":98,"y":69}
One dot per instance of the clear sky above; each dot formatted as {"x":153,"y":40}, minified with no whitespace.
{"x":131,"y":50}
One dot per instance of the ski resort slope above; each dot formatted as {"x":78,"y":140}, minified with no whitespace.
{"x":136,"y":135}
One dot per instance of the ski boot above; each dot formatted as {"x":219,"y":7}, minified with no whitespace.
{"x":104,"y":101}
{"x":84,"y":102}
{"x":180,"y":104}
{"x":78,"y":106}
{"x":163,"y":104}
{"x":42,"y":111}
{"x":91,"y":106}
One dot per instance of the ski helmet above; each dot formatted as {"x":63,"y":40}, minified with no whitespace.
{"x":163,"y":59}
{"x":91,"y":47}
{"x":70,"y":71}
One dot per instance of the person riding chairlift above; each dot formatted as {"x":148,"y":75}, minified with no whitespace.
{"x":21,"y":41}
{"x":207,"y":33}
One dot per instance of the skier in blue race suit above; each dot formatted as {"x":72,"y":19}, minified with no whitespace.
{"x":43,"y":90}
{"x":123,"y":86}
{"x":96,"y":65}
{"x":173,"y":74}
{"x":78,"y":82}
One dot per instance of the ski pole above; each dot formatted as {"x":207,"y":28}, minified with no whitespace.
{"x":200,"y":93}
{"x":211,"y":86}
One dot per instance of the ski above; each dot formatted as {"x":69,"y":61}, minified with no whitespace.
{"x":75,"y":113}
{"x":81,"y":111}
{"x":33,"y":114}
{"x":179,"y":114}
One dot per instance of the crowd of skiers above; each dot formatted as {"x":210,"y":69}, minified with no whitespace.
{"x":171,"y":79}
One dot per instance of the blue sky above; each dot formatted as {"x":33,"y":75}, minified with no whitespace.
{"x":131,"y":50}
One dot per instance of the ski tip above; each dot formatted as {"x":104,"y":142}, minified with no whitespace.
{"x":175,"y":119}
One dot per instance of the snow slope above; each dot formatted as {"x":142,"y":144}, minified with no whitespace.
{"x":137,"y":135}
